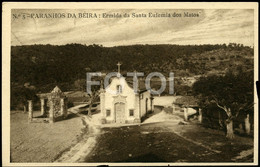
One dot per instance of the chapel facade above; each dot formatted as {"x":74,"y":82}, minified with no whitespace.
{"x":119,"y":103}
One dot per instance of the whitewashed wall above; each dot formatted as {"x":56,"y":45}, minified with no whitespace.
{"x":146,"y":95}
{"x":126,"y":91}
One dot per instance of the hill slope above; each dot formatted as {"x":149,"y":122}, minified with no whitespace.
{"x":47,"y":64}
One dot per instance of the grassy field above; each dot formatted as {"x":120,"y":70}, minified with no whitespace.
{"x":42,"y":142}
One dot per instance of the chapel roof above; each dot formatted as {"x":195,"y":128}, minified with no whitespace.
{"x":129,"y":81}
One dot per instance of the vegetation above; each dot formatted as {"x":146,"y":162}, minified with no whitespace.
{"x":232,"y":94}
{"x":20,"y":96}
{"x":45,"y":66}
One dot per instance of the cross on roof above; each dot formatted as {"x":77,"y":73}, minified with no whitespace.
{"x":135,"y":73}
{"x":118,"y":64}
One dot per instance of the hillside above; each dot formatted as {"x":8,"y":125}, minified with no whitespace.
{"x":45,"y":66}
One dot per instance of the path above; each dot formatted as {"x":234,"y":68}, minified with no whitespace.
{"x":159,"y":138}
{"x":159,"y":142}
{"x":83,"y":148}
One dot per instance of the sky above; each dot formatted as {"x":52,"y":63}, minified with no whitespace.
{"x":210,"y":27}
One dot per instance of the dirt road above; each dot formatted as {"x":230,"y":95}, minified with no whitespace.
{"x":159,"y":138}
{"x":162,"y":142}
{"x":78,"y":152}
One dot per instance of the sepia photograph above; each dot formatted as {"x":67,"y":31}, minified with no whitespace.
{"x":136,"y":84}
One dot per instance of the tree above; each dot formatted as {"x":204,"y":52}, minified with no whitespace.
{"x":93,"y":97}
{"x":232,"y":93}
{"x":95,"y":92}
{"x":80,"y":84}
{"x":20,"y":96}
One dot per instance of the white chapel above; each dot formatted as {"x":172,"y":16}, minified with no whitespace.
{"x":119,"y":103}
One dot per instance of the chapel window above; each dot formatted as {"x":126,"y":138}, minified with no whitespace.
{"x":108,"y":113}
{"x":131,"y":112}
{"x":119,"y":89}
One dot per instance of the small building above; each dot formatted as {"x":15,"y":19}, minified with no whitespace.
{"x":189,"y":105}
{"x":55,"y":101}
{"x":119,"y":103}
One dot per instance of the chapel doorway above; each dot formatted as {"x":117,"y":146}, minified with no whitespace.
{"x":120,"y":112}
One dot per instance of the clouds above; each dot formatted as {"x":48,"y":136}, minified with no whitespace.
{"x":211,"y":27}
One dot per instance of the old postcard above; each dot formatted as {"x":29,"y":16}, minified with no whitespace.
{"x":136,"y":84}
